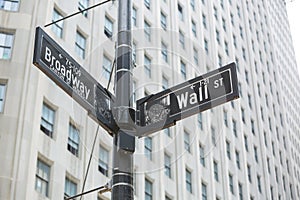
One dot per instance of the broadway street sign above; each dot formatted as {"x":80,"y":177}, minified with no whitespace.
{"x":163,"y":109}
{"x":57,"y":64}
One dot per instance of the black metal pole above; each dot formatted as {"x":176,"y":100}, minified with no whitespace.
{"x":124,"y":140}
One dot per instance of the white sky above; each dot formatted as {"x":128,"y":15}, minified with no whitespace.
{"x":293,"y":9}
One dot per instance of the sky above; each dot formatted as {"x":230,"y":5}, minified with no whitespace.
{"x":293,"y":9}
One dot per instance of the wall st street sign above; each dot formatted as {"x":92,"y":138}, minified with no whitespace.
{"x":163,"y":109}
{"x":57,"y":64}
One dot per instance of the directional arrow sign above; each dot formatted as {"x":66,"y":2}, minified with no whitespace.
{"x":57,"y":64}
{"x":163,"y":109}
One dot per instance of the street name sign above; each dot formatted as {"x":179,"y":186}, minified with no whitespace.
{"x":162,"y":110}
{"x":59,"y":66}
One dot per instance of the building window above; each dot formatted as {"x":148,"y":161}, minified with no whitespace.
{"x":70,"y":188}
{"x":134,"y":91}
{"x":220,"y":60}
{"x":108,"y":27}
{"x":216,"y":13}
{"x":167,"y":132}
{"x":252,"y":127}
{"x":10,"y":5}
{"x":237,"y":157}
{"x":244,"y":53}
{"x":148,"y":147}
{"x":241,"y":32}
{"x":187,"y":141}
{"x":224,"y":24}
{"x":164,"y":52}
{"x":222,"y":3}
{"x":196,"y":61}
{"x":240,"y":191}
{"x":232,"y":19}
{"x":213,"y":136}
{"x":216,"y":171}
{"x":200,"y":121}
{"x":234,"y":40}
{"x":42,"y":178}
{"x":188,"y":180}
{"x":246,"y":142}
{"x":204,"y":21}
{"x":148,"y":189}
{"x":2,"y":96}
{"x":243,"y":115}
{"x":247,"y":76}
{"x":249,"y":173}
{"x":147,"y":3}
{"x":6,"y":42}
{"x":202,"y":155}
{"x":168,"y":166}
{"x":147,"y":66}
{"x":181,"y":39}
{"x":103,"y":161}
{"x":163,"y":21}
{"x":134,"y":16}
{"x":218,"y":37}
{"x":82,"y":5}
{"x":106,"y":66}
{"x":194,"y":28}
{"x":165,"y":83}
{"x":192,"y":4}
{"x":73,"y":140}
{"x":204,"y":191}
{"x":226,"y":48}
{"x":57,"y":28}
{"x":206,"y":46}
{"x":231,"y":187}
{"x":80,"y":45}
{"x":255,"y":153}
{"x":147,"y":30}
{"x":225,"y":118}
{"x":47,"y":120}
{"x":228,"y":150}
{"x":183,"y":70}
{"x":234,"y":128}
{"x":238,"y":11}
{"x":168,"y":198}
{"x":180,"y":12}
{"x":134,"y":52}
{"x":259,"y":184}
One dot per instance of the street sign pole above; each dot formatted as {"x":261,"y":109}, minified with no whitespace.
{"x":124,"y":139}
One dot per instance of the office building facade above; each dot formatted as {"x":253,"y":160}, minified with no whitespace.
{"x":245,"y":149}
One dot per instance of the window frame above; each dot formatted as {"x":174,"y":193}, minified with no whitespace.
{"x":81,"y":7}
{"x":45,"y":170}
{"x":188,"y":180}
{"x":148,"y":193}
{"x":3,"y":89}
{"x":80,"y":44}
{"x":106,"y":66}
{"x":58,"y":27}
{"x":103,"y":160}
{"x":72,"y":140}
{"x":148,"y":147}
{"x":11,"y":7}
{"x":186,"y":140}
{"x":108,"y":26}
{"x":167,"y":164}
{"x":183,"y":70}
{"x":71,"y":184}
{"x":49,"y":122}
{"x":7,"y":47}
{"x":147,"y":65}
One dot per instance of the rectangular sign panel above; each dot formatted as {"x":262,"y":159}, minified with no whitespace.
{"x":163,"y":109}
{"x":58,"y":65}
